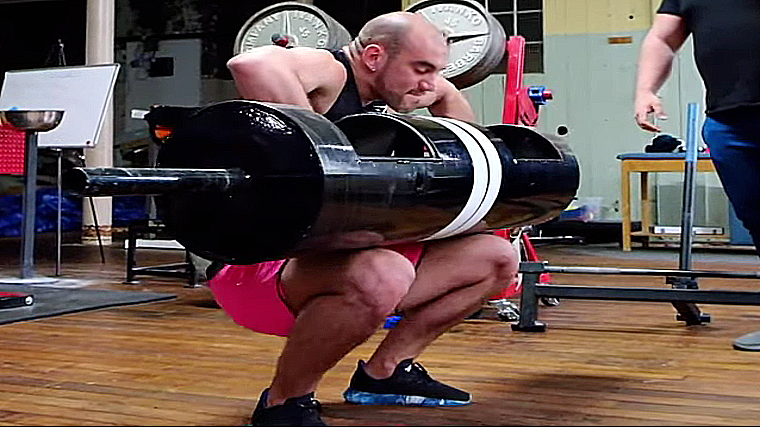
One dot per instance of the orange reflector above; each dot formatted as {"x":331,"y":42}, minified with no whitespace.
{"x":161,"y":132}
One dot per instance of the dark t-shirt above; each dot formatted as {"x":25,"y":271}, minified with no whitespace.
{"x":726,"y":48}
{"x":349,"y":102}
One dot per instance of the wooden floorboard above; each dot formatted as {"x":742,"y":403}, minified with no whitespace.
{"x":184,"y":362}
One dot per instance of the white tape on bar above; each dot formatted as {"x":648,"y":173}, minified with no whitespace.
{"x":494,"y":174}
{"x":479,"y":184}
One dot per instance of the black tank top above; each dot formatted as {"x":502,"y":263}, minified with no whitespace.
{"x":348,"y":101}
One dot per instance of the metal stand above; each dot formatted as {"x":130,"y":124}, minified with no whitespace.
{"x":528,"y":322}
{"x":688,"y":312}
{"x":185,"y":270}
{"x":97,"y":230}
{"x":532,"y":291}
{"x":31,"y":122}
{"x":58,"y":228}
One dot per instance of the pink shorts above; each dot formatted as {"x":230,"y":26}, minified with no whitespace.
{"x":252,"y":294}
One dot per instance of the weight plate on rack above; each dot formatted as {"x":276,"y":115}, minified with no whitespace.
{"x":477,"y":39}
{"x":291,"y":24}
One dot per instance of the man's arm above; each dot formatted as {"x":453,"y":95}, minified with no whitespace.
{"x":287,"y":76}
{"x":660,"y":45}
{"x":451,"y":103}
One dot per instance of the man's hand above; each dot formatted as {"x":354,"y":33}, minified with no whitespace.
{"x":666,"y":36}
{"x":645,"y":104}
{"x":450,"y":102}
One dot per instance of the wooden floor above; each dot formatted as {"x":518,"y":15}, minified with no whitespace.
{"x":184,"y":362}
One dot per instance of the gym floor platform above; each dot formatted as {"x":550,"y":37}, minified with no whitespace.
{"x":184,"y":362}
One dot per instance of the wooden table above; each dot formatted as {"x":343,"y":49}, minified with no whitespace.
{"x":643,"y":163}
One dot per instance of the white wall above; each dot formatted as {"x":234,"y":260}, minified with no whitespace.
{"x":182,"y":88}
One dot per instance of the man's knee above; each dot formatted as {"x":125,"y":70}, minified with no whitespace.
{"x":378,"y":279}
{"x":500,"y":257}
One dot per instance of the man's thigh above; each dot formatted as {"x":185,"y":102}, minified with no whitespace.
{"x":735,"y":149}
{"x":454,"y":263}
{"x":333,"y":273}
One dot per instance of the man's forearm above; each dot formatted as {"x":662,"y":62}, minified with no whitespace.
{"x":455,"y":106}
{"x":655,"y":63}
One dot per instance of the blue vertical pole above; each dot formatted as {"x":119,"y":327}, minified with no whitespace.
{"x":689,"y":188}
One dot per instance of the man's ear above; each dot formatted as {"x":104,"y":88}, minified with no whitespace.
{"x":374,"y":56}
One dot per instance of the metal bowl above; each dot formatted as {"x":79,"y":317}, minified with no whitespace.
{"x":33,"y":120}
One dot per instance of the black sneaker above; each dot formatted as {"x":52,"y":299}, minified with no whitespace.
{"x":213,"y":268}
{"x":410,"y":384}
{"x":296,"y":411}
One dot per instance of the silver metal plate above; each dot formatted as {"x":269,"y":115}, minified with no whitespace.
{"x":301,"y":24}
{"x":477,"y":41}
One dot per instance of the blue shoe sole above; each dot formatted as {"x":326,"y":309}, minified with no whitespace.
{"x":364,"y":398}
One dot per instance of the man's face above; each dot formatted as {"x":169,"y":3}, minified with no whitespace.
{"x":407,"y":81}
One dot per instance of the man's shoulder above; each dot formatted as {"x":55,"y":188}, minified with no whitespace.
{"x":307,"y":55}
{"x":671,"y":7}
{"x":312,"y":53}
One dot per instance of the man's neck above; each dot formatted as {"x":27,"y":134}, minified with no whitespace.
{"x":362,"y":78}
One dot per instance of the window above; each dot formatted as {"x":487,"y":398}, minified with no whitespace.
{"x":524,"y":18}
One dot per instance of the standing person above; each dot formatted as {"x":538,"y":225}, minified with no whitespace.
{"x":727,"y":53}
{"x":327,"y":304}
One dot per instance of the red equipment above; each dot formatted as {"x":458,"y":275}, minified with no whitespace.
{"x":11,"y":151}
{"x":521,"y":103}
{"x":15,"y":299}
{"x":521,"y":106}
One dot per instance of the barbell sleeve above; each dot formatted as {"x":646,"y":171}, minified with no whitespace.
{"x":150,"y":181}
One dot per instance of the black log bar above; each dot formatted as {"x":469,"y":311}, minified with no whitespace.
{"x":367,"y":180}
{"x":150,"y":181}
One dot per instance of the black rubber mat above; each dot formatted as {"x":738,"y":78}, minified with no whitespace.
{"x":50,"y":301}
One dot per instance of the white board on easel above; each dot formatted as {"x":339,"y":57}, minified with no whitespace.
{"x":82,"y":92}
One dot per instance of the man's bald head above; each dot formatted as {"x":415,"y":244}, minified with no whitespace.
{"x":397,"y":58}
{"x":392,"y":30}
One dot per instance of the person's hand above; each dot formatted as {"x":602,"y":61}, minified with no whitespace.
{"x":647,"y":103}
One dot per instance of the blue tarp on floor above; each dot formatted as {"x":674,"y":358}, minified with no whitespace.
{"x":125,"y":209}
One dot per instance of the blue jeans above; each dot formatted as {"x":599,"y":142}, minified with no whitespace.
{"x":734,"y":141}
